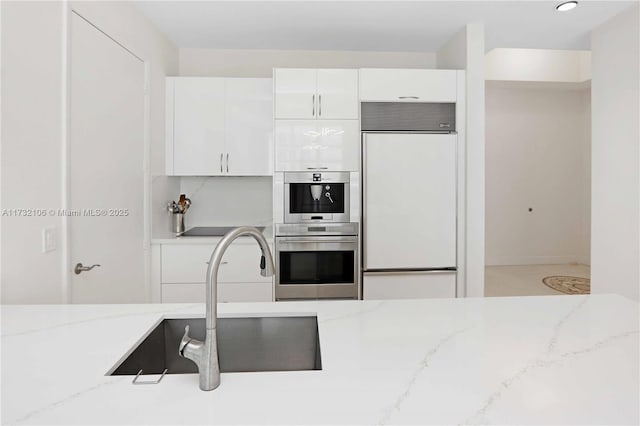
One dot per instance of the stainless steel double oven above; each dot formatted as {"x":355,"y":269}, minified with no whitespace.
{"x":317,"y":254}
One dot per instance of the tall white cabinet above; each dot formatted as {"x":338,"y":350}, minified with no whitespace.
{"x":413,"y":193}
{"x":316,"y":119}
{"x":219,"y":126}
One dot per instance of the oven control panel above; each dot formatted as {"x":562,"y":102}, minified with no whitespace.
{"x":298,"y":229}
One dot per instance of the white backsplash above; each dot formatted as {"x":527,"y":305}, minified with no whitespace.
{"x":226,"y":200}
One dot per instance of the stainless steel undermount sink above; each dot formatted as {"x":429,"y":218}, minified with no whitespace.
{"x":247,"y":344}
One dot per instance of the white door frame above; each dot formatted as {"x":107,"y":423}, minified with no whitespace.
{"x":66,"y":266}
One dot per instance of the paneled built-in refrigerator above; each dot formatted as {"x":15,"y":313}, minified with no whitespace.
{"x":409,"y":198}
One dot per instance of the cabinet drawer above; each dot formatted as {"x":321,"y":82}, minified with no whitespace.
{"x":332,"y":145}
{"x":185,"y":263}
{"x":182,"y":293}
{"x":245,"y":292}
{"x":418,"y":285}
{"x":227,"y":292}
{"x":188,"y":263}
{"x":405,"y":85}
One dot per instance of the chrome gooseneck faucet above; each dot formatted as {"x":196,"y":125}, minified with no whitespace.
{"x":205,"y":354}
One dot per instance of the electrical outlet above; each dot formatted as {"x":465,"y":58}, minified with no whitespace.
{"x":49,"y":242}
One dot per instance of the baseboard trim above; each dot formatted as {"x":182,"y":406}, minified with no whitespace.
{"x":536,"y":260}
{"x":584,"y":260}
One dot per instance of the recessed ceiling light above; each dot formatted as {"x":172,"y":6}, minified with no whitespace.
{"x":566,"y":6}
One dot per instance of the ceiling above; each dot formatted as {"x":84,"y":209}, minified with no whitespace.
{"x":404,"y":26}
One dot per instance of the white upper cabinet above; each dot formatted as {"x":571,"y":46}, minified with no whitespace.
{"x":248,"y":126}
{"x":219,"y":126}
{"x":337,"y":94}
{"x":304,"y":145}
{"x":302,"y":93}
{"x":198,"y":125}
{"x":407,"y":85}
{"x":295,"y":93}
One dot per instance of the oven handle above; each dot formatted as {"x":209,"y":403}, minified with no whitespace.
{"x":320,"y":240}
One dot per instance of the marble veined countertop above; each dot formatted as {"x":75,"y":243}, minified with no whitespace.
{"x":529,"y":360}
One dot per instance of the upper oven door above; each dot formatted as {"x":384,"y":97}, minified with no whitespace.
{"x":316,"y":197}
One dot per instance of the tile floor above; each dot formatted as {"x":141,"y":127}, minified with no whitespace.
{"x":526,"y":280}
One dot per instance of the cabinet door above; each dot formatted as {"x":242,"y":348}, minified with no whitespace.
{"x":331,"y":145}
{"x":404,"y":85}
{"x":198,"y":126}
{"x":185,"y":263}
{"x":248,"y":126}
{"x":295,"y":93}
{"x":337,"y":94}
{"x":412,"y":285}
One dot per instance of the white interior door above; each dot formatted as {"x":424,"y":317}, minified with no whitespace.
{"x":106,"y":153}
{"x":409,"y":201}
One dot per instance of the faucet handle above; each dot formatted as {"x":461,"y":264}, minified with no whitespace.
{"x":185,"y":340}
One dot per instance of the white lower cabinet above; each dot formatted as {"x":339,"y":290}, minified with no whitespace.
{"x":182,"y":293}
{"x":412,"y":285}
{"x":184,"y":266}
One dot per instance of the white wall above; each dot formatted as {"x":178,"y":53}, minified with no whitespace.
{"x":466,"y":51}
{"x":259,"y":63}
{"x":537,"y":156}
{"x":31,"y":148}
{"x":33,"y":113}
{"x":453,"y":54}
{"x":544,"y":65}
{"x":615,"y":220}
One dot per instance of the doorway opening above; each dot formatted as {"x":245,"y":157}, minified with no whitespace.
{"x":538,"y":172}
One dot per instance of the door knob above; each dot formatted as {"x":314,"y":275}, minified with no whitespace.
{"x":80,"y":268}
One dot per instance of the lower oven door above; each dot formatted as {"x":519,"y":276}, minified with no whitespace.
{"x":316,"y":267}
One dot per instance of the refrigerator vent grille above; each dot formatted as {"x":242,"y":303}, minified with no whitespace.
{"x":408,"y":116}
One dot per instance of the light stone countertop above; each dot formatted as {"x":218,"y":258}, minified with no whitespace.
{"x":168,"y":238}
{"x":527,"y":360}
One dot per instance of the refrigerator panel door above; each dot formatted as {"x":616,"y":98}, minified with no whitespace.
{"x":409,"y":201}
